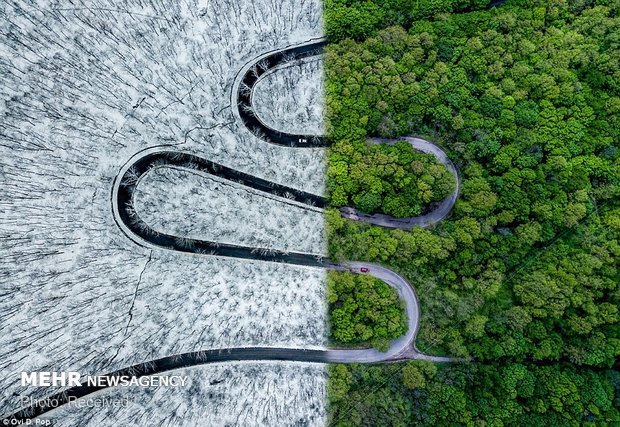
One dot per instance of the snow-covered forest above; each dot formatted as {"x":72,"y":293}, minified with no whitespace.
{"x":201,"y":206}
{"x":243,"y":394}
{"x":84,"y":85}
{"x":289,"y":99}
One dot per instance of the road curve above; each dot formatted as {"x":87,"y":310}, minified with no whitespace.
{"x":129,"y":221}
{"x":142,"y":234}
{"x":256,"y":69}
{"x":426,"y":220}
{"x":401,"y":349}
{"x":243,"y":92}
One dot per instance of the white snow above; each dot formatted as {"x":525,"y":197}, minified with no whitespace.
{"x":244,"y":394}
{"x":201,"y":206}
{"x":291,"y":98}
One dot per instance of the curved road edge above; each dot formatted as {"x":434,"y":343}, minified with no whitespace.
{"x":180,"y":361}
{"x":243,"y":91}
{"x":130,"y":223}
{"x":426,"y":220}
{"x":244,"y":110}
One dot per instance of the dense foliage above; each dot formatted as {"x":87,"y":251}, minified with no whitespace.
{"x":526,"y":100}
{"x":395,"y":180}
{"x":420,"y":393}
{"x":359,"y":19}
{"x":363,"y":310}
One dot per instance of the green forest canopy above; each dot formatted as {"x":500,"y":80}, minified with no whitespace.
{"x":394,"y":180}
{"x":363,"y":310}
{"x":523,"y":275}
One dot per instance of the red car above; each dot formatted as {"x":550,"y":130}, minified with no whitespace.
{"x":364,"y":269}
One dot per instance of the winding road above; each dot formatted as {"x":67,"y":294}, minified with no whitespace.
{"x":142,"y":234}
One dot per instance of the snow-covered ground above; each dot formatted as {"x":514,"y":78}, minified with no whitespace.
{"x":201,"y":206}
{"x":289,"y":99}
{"x":84,"y":85}
{"x":244,"y":394}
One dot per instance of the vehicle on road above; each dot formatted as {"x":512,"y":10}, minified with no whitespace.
{"x":364,"y":269}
